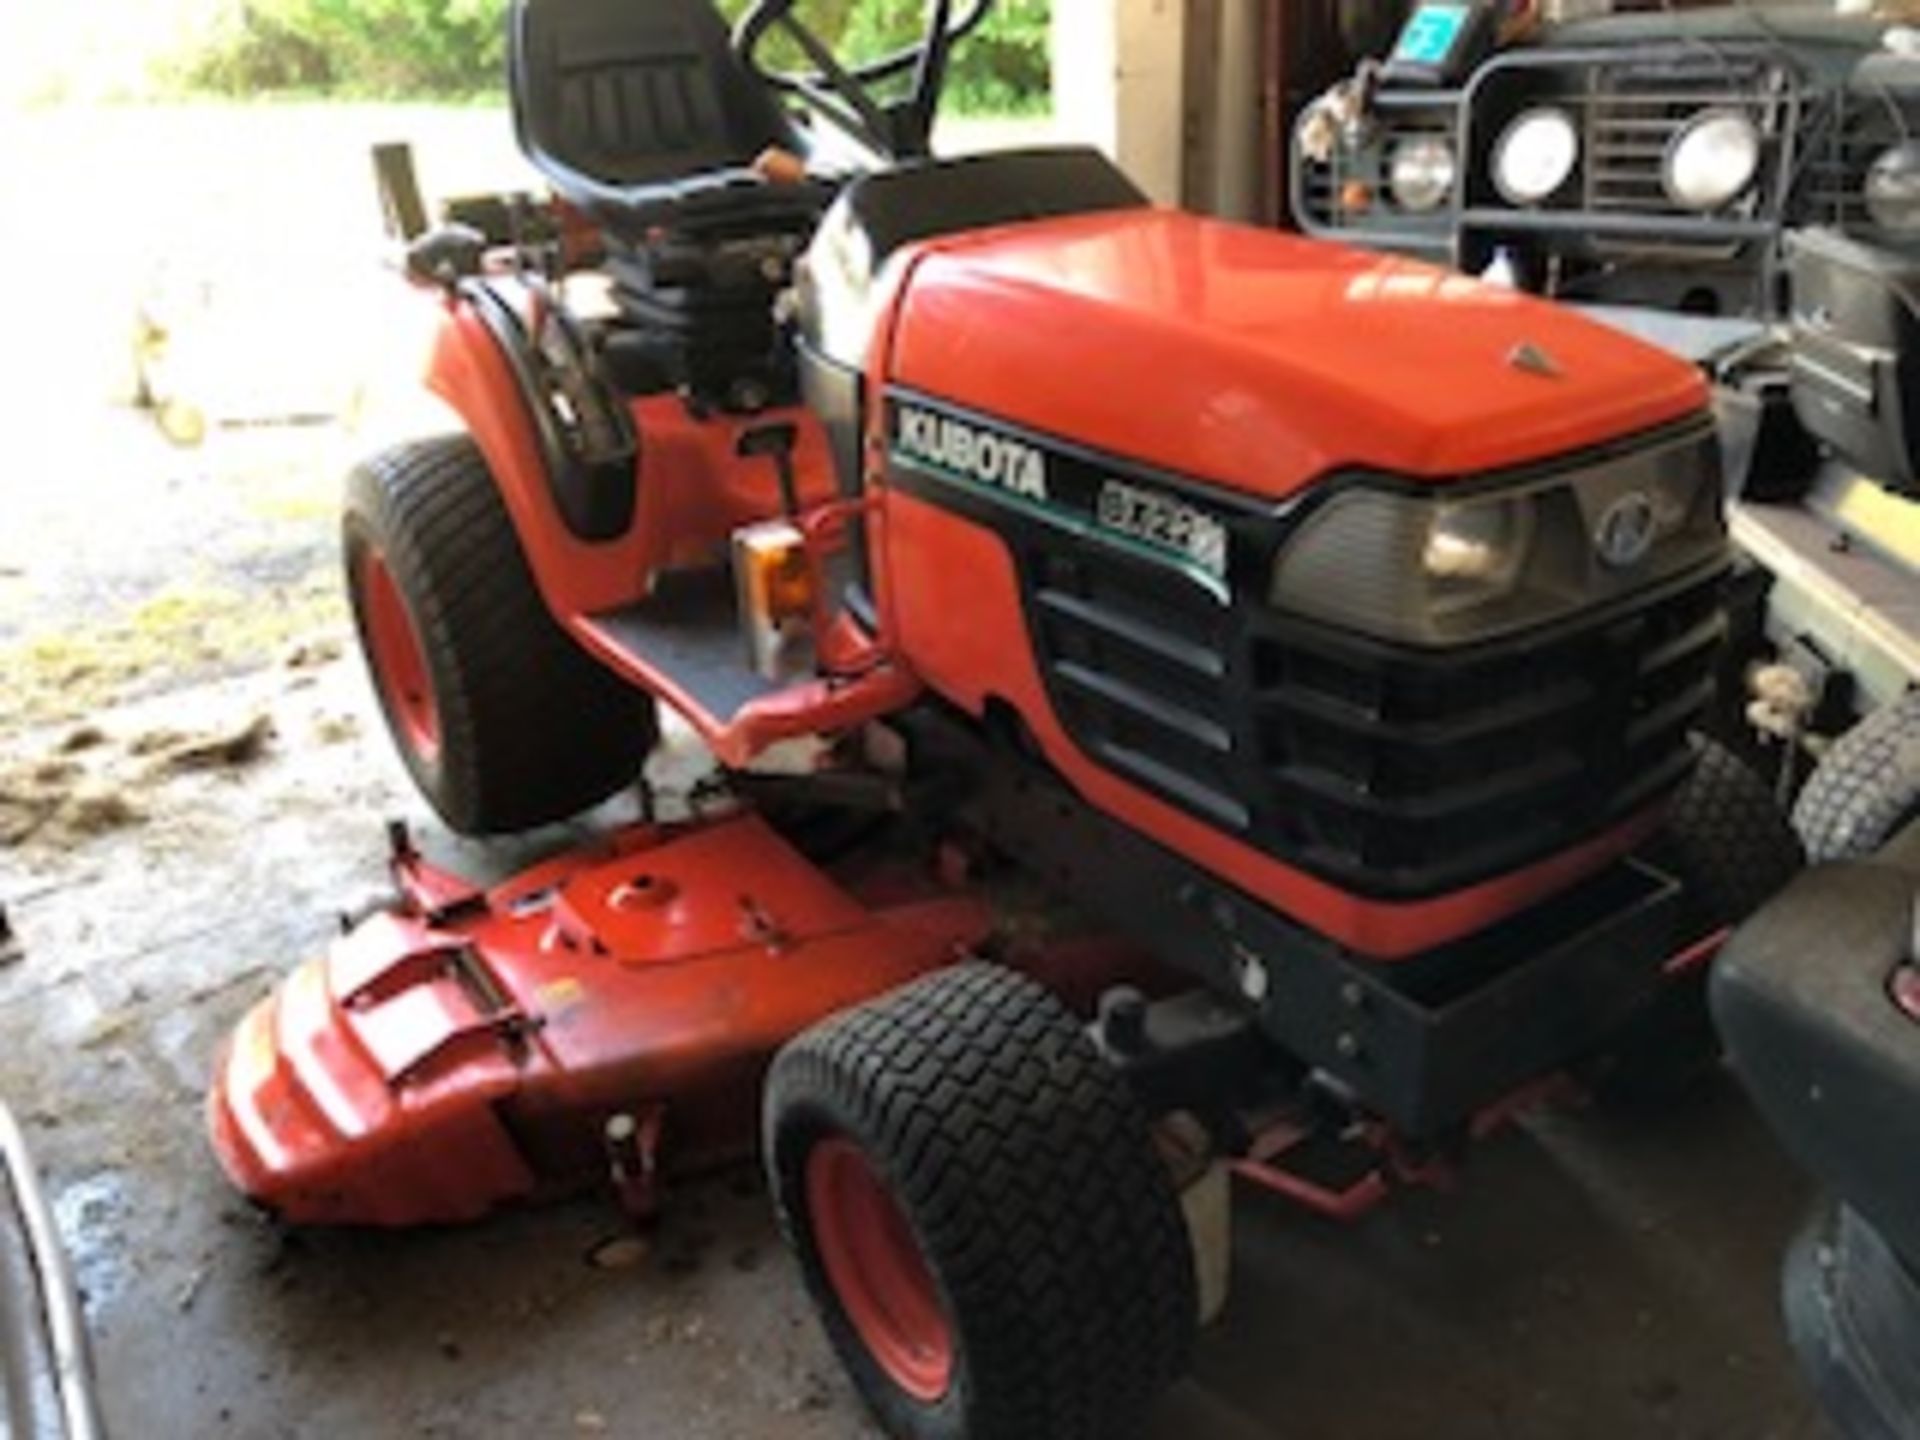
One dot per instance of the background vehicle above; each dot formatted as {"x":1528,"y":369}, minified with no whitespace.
{"x":1731,"y":182}
{"x":1015,"y":548}
{"x":1819,"y":1000}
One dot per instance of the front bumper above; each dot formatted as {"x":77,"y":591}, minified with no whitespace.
{"x":1426,"y":1043}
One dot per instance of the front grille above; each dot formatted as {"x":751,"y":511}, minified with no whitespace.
{"x":1425,"y":772}
{"x":1140,"y":663}
{"x":1388,"y":771}
{"x":1832,"y":188}
{"x":1629,"y":107}
{"x":1634,"y":112}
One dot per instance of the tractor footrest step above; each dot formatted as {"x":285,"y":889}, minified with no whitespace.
{"x":689,"y":630}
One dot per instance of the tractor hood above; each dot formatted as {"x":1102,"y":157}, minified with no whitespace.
{"x":1260,"y":361}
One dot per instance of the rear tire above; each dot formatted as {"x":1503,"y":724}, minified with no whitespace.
{"x":1866,"y":789}
{"x":1729,"y":845}
{"x":502,"y":720}
{"x":995,"y":1248}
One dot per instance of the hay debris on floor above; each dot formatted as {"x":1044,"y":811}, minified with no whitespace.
{"x":336,"y":729}
{"x":59,"y":807}
{"x":83,"y":739}
{"x":154,"y":742}
{"x":313,"y":654}
{"x":230,"y":750}
{"x":77,"y":792}
{"x":96,"y":808}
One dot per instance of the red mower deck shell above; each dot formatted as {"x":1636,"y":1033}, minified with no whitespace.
{"x":427,"y":1070}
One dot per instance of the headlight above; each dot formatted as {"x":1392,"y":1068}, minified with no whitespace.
{"x":1423,"y":567}
{"x":1893,"y":189}
{"x":1535,"y":155}
{"x":1421,"y":173}
{"x":1478,"y":546}
{"x":1712,"y":160}
{"x":1412,"y":567}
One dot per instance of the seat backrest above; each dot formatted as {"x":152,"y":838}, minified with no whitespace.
{"x":629,"y":92}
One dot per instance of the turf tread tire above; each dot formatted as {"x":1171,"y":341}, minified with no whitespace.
{"x":533,"y":730}
{"x":1727,"y":839}
{"x":1029,"y":1175}
{"x":1866,"y":788}
{"x":1728,"y":843}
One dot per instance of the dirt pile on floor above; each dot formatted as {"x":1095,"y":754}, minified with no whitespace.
{"x":87,"y":784}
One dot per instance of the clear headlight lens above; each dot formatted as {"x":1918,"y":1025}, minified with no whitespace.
{"x":1479,"y":546}
{"x":1421,"y":173}
{"x":1712,"y":160}
{"x":1428,"y":568}
{"x":1420,"y":568}
{"x":1535,"y":155}
{"x":1893,"y":189}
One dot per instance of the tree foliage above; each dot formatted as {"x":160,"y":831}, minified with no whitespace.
{"x":442,"y":48}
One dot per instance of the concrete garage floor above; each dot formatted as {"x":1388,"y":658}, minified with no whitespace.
{"x":1590,"y":1279}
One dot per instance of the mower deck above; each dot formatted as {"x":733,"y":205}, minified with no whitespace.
{"x":610,"y":1010}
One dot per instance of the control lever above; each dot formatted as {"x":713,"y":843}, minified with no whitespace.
{"x":776,"y":442}
{"x":446,"y":255}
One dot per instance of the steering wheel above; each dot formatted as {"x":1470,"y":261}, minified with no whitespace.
{"x":845,"y":95}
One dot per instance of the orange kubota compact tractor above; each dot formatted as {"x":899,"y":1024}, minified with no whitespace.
{"x":1185,"y":697}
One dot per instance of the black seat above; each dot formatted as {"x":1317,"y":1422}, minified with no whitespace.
{"x":639,"y":112}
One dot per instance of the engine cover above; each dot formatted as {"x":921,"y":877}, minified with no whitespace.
{"x":1260,"y":362}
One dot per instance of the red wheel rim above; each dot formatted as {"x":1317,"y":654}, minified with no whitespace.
{"x":399,"y":660}
{"x":877,"y":1271}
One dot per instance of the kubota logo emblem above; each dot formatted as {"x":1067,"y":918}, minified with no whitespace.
{"x":976,"y":454}
{"x":1625,"y":531}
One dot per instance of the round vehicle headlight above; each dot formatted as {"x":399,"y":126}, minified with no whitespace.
{"x":1478,"y":544}
{"x":1535,"y":155}
{"x":1893,"y":189}
{"x":1421,"y":173}
{"x":1712,"y":160}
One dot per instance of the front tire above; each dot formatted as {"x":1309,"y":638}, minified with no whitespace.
{"x":502,"y":720}
{"x":995,"y":1248}
{"x":1728,"y":842}
{"x":1732,"y":849}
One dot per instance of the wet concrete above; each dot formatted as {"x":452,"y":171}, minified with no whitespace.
{"x":1590,"y":1279}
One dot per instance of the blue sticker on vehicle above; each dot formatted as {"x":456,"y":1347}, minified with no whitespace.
{"x":1430,"y":34}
